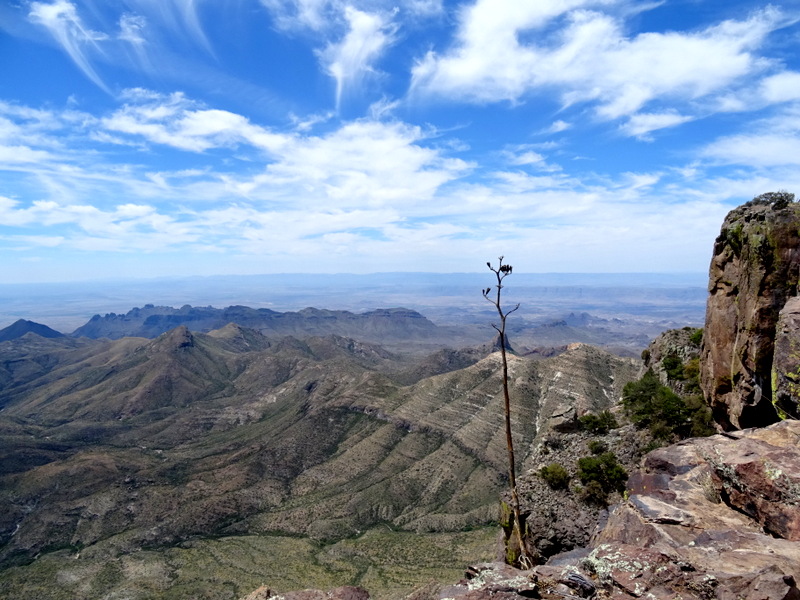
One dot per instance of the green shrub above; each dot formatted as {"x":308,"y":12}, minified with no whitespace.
{"x":555,"y":476}
{"x":691,"y":374}
{"x":697,"y":337}
{"x":673,"y":365}
{"x":598,"y":424}
{"x":702,"y":421}
{"x":779,"y":200}
{"x":650,"y":404}
{"x":601,"y":473}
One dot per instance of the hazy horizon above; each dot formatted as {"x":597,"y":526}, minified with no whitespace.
{"x":443,"y":297}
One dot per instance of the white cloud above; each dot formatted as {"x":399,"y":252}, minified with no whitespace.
{"x":640,"y":125}
{"x":61,"y":19}
{"x":768,"y":143}
{"x":293,"y":14}
{"x":506,"y":50}
{"x":131,"y":28}
{"x":22,"y":154}
{"x":525,"y":155}
{"x":362,"y":163}
{"x":329,"y":15}
{"x":782,"y":87}
{"x":391,"y":192}
{"x":367,"y":163}
{"x":176,"y":121}
{"x":558,"y":126}
{"x":758,"y":150}
{"x":350,"y":59}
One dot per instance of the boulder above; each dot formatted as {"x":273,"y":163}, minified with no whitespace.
{"x":754,"y":272}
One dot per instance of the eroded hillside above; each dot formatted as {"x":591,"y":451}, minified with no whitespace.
{"x":134,"y":444}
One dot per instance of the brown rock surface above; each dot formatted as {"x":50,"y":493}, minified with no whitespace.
{"x":715,"y":517}
{"x":754,"y":271}
{"x":786,"y":364}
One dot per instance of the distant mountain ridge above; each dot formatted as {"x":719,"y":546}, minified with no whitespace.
{"x":151,"y":321}
{"x":23,"y":326}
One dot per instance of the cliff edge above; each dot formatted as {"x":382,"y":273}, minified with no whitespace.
{"x":753,"y":274}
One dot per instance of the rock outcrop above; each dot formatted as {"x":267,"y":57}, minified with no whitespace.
{"x":753,"y":274}
{"x":670,"y":354}
{"x":786,"y":362}
{"x":712,"y":517}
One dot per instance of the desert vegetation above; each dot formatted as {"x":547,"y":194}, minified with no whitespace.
{"x":668,"y":416}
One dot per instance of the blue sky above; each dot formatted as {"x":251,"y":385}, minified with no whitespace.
{"x":148,"y":138}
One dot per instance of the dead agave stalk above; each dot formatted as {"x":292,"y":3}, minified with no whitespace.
{"x":501,"y":272}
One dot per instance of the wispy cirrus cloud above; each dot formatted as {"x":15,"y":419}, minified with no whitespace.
{"x":329,"y":15}
{"x":136,"y":33}
{"x":353,"y":57}
{"x":61,"y":20}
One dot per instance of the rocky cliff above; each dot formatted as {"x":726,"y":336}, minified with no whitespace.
{"x":753,"y":274}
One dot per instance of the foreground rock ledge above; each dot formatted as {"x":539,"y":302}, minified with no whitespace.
{"x":715,"y":517}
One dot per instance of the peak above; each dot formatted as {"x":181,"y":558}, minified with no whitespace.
{"x":180,"y":337}
{"x":228,"y":331}
{"x":23,"y":326}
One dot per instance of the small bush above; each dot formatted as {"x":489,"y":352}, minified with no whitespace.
{"x":597,"y":447}
{"x":555,"y":476}
{"x":673,"y":366}
{"x":553,"y":441}
{"x":598,"y":424}
{"x":691,"y":374}
{"x":697,"y":337}
{"x":650,"y":404}
{"x":702,"y":422}
{"x":601,"y":475}
{"x":779,"y":200}
{"x":593,"y":493}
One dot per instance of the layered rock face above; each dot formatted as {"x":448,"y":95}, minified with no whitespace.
{"x":753,"y":274}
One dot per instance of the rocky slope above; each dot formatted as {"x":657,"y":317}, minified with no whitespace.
{"x":754,"y":272}
{"x":710,"y":517}
{"x":707,"y":518}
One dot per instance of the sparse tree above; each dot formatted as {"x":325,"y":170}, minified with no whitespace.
{"x":501,"y":272}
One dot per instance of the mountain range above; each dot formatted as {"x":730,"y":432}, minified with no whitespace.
{"x":113,"y":446}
